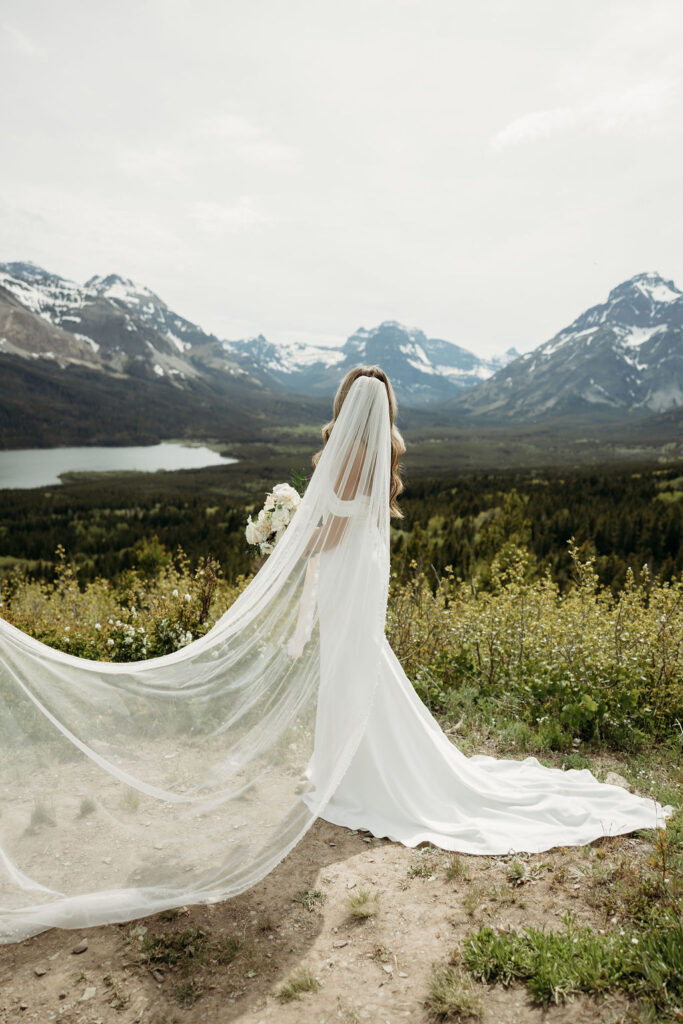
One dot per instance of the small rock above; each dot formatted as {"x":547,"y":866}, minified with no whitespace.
{"x":39,"y":972}
{"x":340,"y":945}
{"x":81,"y":947}
{"x":402,"y":974}
{"x":23,"y":1006}
{"x":387,"y":968}
{"x":62,"y":995}
{"x":614,"y":779}
{"x":158,"y":976}
{"x":89,"y":993}
{"x":350,"y":885}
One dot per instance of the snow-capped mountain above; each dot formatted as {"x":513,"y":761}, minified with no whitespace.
{"x":117,"y":326}
{"x":108,"y":323}
{"x":422,"y":370}
{"x":624,"y":355}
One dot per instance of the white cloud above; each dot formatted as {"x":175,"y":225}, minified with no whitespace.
{"x":170,"y":161}
{"x":217,"y":218}
{"x":22,"y":43}
{"x":607,"y":112}
{"x":246,"y":140}
{"x":214,"y":139}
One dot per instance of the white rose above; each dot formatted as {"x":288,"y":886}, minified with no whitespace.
{"x":251,"y":534}
{"x":279,"y":519}
{"x":286,"y":493}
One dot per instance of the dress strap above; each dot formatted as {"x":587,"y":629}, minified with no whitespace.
{"x":348,"y":506}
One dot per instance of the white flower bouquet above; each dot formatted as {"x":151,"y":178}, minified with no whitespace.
{"x":274,"y":518}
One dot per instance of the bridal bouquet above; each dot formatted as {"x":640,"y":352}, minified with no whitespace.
{"x":273,"y":519}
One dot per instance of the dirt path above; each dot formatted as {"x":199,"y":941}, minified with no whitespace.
{"x":374,"y":970}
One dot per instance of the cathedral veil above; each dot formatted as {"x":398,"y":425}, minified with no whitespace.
{"x":201,"y":769}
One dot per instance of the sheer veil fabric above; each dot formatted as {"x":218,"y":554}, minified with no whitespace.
{"x":200,"y":770}
{"x":132,"y":788}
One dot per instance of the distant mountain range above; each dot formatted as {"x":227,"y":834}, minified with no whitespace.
{"x":114,"y":325}
{"x":109,"y":360}
{"x":422,"y":370}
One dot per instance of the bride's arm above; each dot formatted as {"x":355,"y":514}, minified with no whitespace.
{"x":346,"y":487}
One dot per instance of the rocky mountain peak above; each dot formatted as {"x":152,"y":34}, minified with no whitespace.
{"x":123,"y":289}
{"x":650,"y":286}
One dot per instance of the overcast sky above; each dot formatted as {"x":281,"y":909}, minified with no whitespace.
{"x":483,"y":171}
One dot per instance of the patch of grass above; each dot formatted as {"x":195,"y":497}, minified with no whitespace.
{"x":88,"y":806}
{"x":117,"y":1000}
{"x":130,"y":801}
{"x":224,"y":950}
{"x":170,"y":914}
{"x":422,"y":869}
{"x":177,"y":949}
{"x":310,"y":898}
{"x":298,"y":983}
{"x":577,"y":761}
{"x":362,"y":904}
{"x":559,"y":965}
{"x":456,"y":869}
{"x":43,"y":814}
{"x":632,"y":888}
{"x":188,"y":992}
{"x":515,"y":872}
{"x":482,"y":896}
{"x":452,"y":995}
{"x":473,"y":899}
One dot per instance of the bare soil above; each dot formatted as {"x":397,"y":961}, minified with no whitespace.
{"x":374,"y":970}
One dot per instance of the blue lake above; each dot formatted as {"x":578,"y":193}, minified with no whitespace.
{"x":40,"y":467}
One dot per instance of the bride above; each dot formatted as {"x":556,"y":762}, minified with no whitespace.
{"x":132,"y":788}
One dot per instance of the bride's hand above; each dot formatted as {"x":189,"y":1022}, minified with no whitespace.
{"x":295,"y":647}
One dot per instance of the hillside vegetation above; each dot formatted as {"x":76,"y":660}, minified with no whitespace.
{"x":108,"y":523}
{"x":528,"y":644}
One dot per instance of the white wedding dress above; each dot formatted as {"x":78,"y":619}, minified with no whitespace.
{"x":129,"y":788}
{"x":409,"y":783}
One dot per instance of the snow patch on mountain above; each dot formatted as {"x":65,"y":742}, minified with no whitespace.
{"x":123,"y":290}
{"x":634,"y":337}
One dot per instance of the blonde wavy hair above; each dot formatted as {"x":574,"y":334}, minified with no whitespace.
{"x":397,"y":443}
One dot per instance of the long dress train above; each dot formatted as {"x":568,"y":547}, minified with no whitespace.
{"x":408,"y":782}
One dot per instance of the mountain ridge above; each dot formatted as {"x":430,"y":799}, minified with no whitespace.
{"x":617,"y":361}
{"x":620,"y":357}
{"x":130,"y":330}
